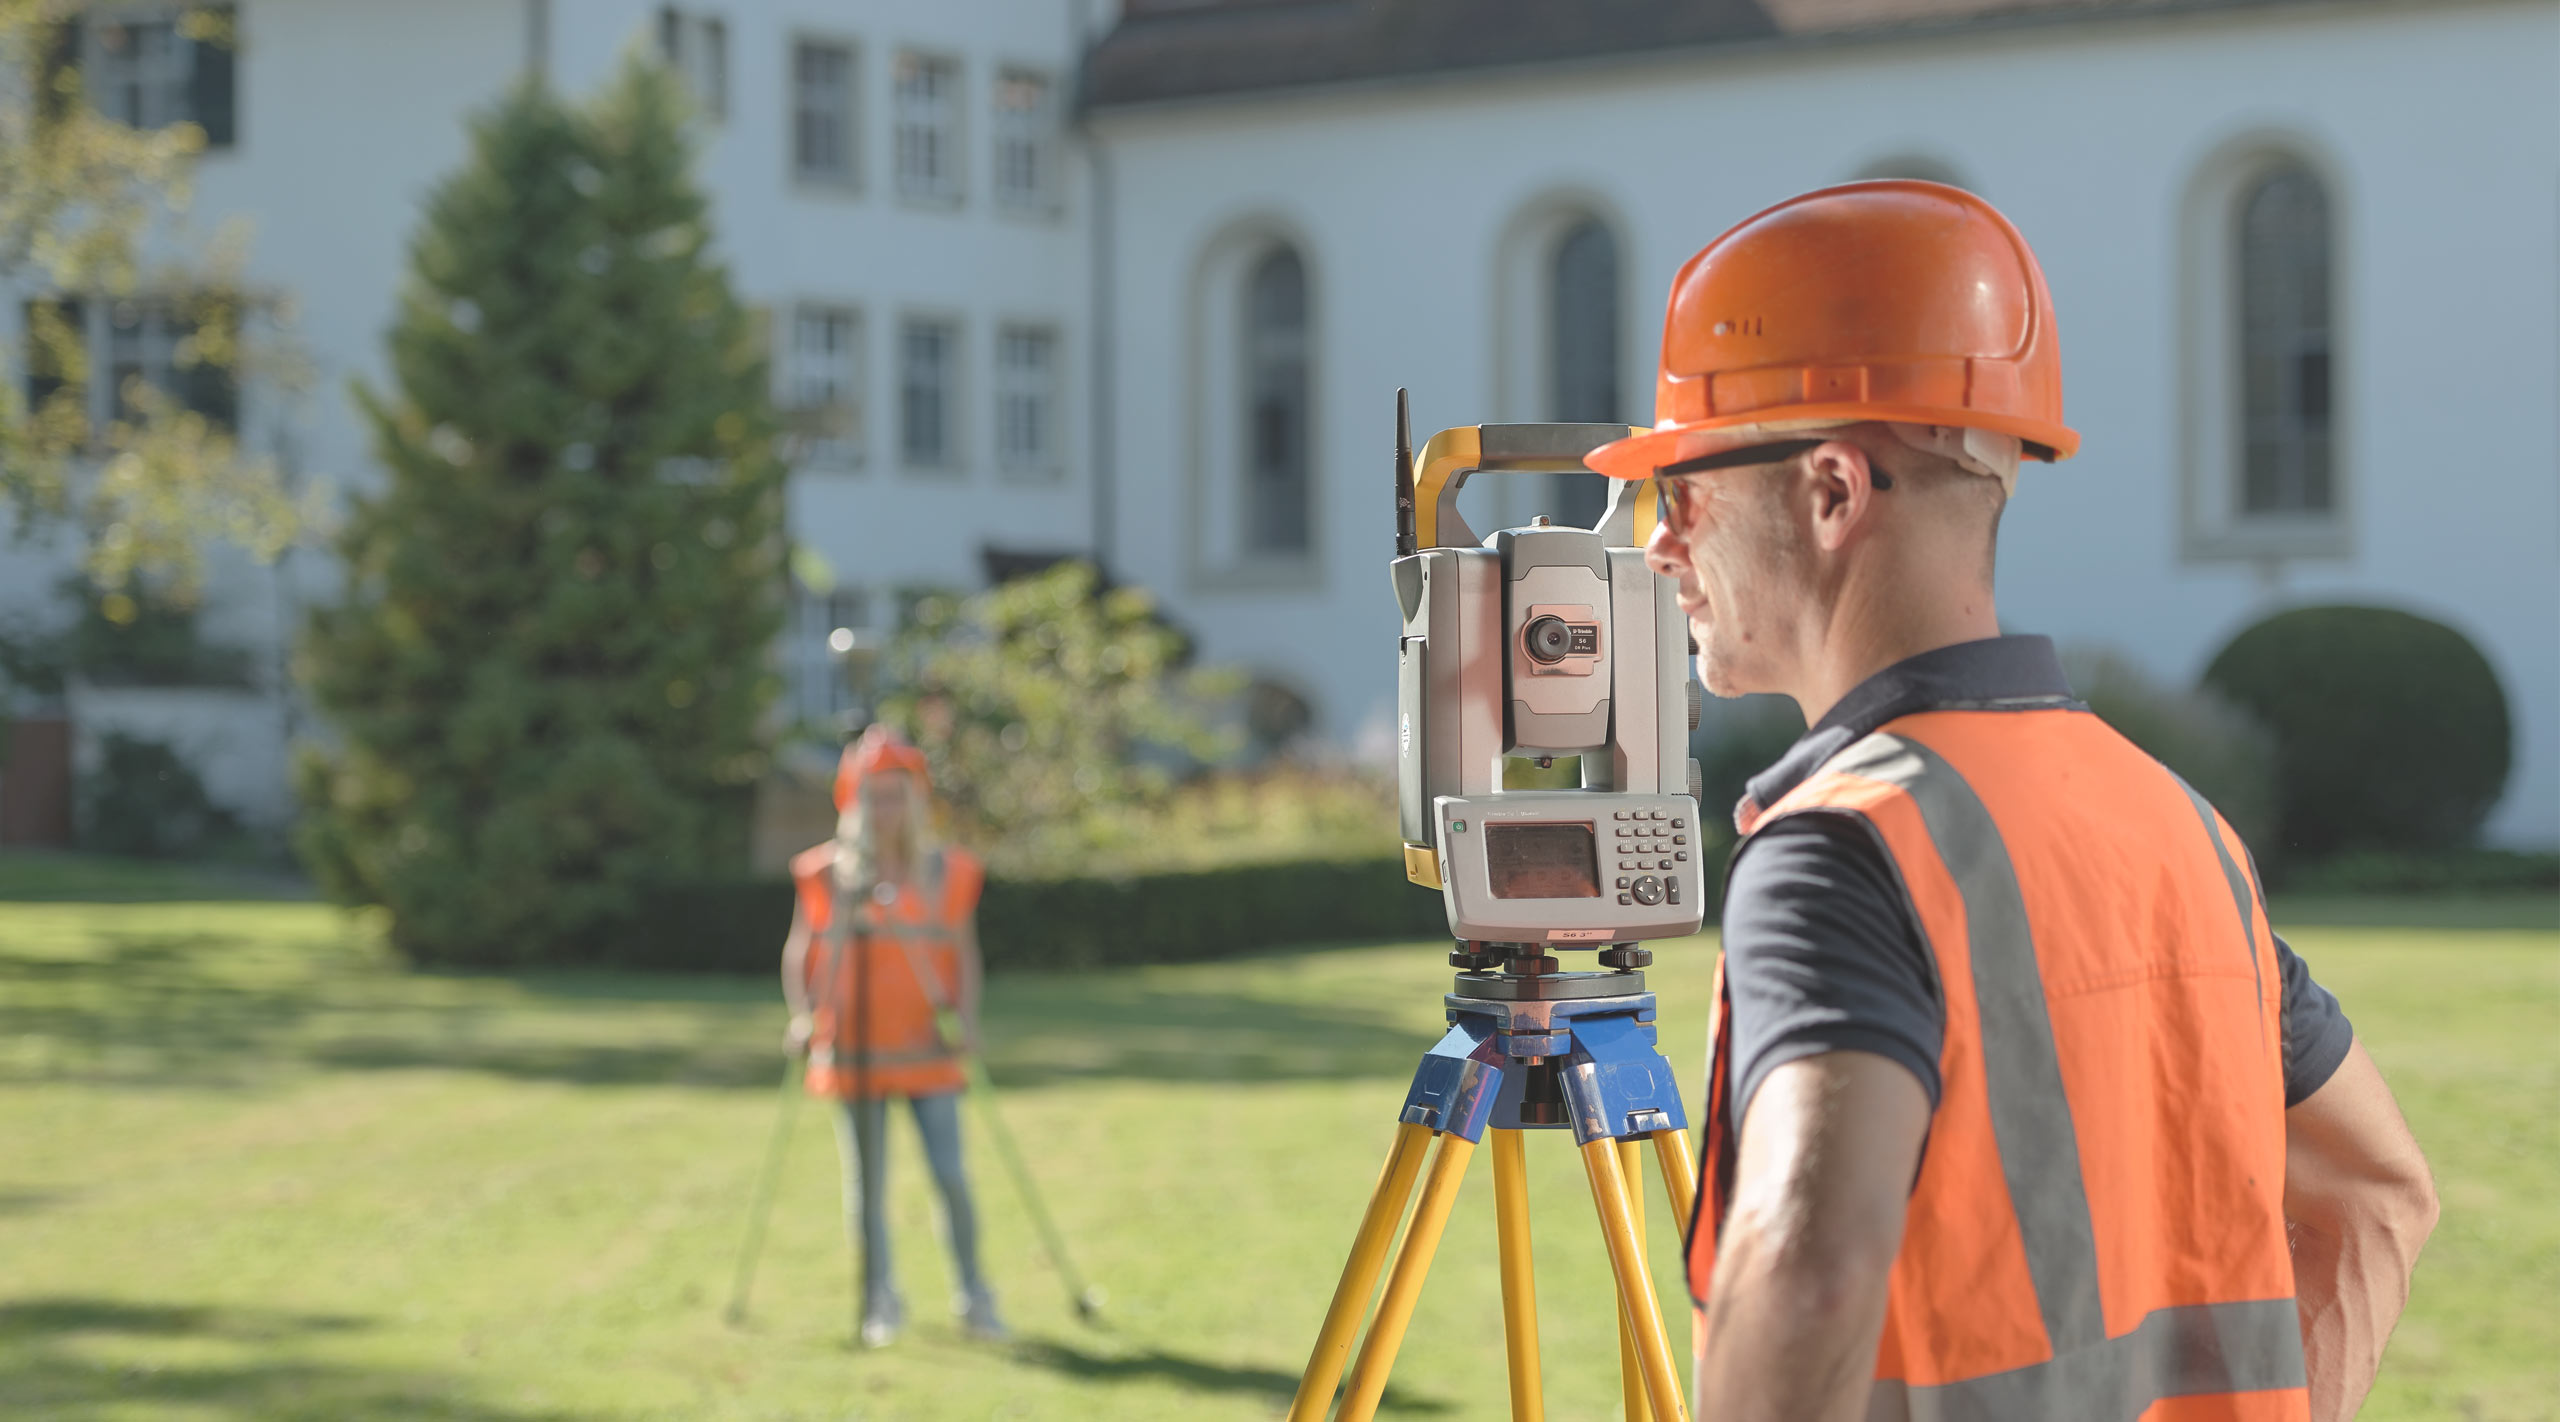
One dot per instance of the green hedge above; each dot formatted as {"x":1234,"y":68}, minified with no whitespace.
{"x":2465,"y":871}
{"x":1071,"y":923}
{"x":2391,"y":730}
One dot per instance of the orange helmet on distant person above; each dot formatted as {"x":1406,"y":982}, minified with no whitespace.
{"x":1901,"y":301}
{"x":876,"y":750}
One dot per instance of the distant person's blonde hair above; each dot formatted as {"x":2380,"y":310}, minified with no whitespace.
{"x":862,"y":843}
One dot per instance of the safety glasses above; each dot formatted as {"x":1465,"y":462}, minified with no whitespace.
{"x":1671,"y":494}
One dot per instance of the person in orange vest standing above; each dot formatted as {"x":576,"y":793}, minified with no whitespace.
{"x":882,"y":973}
{"x":2017,"y":1108}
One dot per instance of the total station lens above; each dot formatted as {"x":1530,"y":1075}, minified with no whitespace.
{"x":1549,"y":639}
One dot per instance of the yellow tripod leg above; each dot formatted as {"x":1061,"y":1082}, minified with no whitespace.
{"x":1635,"y":1283}
{"x":1404,"y":1282}
{"x":1360,"y":1273}
{"x":1519,"y":1275}
{"x":1679,"y":1175}
{"x":1630,"y":1371}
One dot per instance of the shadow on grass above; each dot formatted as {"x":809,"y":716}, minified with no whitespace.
{"x":217,"y":1010}
{"x":1116,"y":1030}
{"x":1157,"y":1365}
{"x":75,"y":1358}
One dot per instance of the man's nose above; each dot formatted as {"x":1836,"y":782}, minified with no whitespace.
{"x":1665,"y":551}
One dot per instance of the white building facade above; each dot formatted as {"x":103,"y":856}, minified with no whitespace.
{"x":893,"y":185}
{"x":1046,"y":278}
{"x":2358,"y":197}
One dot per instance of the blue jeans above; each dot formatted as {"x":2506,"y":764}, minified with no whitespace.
{"x":861,"y":1137}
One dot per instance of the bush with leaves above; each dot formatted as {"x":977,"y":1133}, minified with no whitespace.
{"x":144,"y":800}
{"x":549,"y":669}
{"x":2391,"y":729}
{"x":1048,"y":707}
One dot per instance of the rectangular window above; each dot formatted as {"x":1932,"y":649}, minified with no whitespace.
{"x":1026,"y":143}
{"x":139,"y":73}
{"x":115,"y":346}
{"x":928,"y":392}
{"x":822,"y":385}
{"x":696,"y":47}
{"x":1027,"y":400}
{"x":926,"y":97}
{"x":148,"y":67}
{"x":823,"y":145}
{"x":820,"y":691}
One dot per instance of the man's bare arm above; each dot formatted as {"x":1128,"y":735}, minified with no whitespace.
{"x":2359,"y":1203}
{"x":1828,"y":1153}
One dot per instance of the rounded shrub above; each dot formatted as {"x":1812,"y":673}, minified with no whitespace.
{"x":2391,"y":730}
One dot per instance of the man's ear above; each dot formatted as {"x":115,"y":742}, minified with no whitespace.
{"x":1841,"y":481}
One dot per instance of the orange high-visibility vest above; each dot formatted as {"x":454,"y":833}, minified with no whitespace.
{"x":2097,"y":1231}
{"x":903,"y":967}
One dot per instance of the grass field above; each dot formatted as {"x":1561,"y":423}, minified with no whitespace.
{"x":249,"y":1169}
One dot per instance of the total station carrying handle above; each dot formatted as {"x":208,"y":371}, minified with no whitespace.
{"x":1447,"y":458}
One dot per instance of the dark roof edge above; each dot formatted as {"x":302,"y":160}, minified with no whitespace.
{"x":1873,"y":36}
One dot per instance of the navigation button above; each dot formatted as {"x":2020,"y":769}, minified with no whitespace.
{"x":1648,"y":891}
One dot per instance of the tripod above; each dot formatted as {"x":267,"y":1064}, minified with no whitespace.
{"x":1528,"y":1048}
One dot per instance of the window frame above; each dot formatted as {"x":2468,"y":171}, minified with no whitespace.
{"x":680,"y":29}
{"x":952,"y":189}
{"x":2213,"y":419}
{"x":851,"y":452}
{"x":1568,"y":490}
{"x":952,"y":461}
{"x":1048,"y":462}
{"x":200,"y":64}
{"x":1045,"y":200}
{"x":1214,"y":558}
{"x":849,"y":181}
{"x":814,"y":675}
{"x":1253,"y":363}
{"x":162,"y":332}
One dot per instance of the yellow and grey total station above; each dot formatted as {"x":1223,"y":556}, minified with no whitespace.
{"x":1538,"y":643}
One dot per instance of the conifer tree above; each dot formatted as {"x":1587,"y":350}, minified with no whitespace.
{"x":548,"y":673}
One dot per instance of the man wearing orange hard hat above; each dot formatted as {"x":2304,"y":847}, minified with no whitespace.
{"x":2016,"y":1106}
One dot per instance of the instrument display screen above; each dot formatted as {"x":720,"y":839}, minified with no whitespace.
{"x":1543,"y":861}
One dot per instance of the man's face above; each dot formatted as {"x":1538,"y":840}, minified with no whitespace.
{"x":1728,"y":545}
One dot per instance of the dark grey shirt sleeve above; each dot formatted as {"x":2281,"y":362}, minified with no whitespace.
{"x":2316,"y":1031}
{"x":1821,"y":954}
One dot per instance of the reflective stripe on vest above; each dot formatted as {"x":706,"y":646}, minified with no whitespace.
{"x":2186,"y":1351}
{"x":2201,"y":1339}
{"x":2030,"y":1115}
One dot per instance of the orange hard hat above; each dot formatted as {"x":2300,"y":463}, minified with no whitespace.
{"x":876,"y":750}
{"x":1898,"y":300}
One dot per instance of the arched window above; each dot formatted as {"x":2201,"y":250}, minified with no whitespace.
{"x":2285,"y":341}
{"x":1275,"y":376}
{"x":1582,"y":363}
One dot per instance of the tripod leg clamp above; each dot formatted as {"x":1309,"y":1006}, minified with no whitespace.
{"x":1616,"y":1085}
{"x":1454,"y":1088}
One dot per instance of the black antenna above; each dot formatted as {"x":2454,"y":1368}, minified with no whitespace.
{"x":1404,"y":476}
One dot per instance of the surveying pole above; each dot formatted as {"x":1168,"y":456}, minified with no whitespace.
{"x":858,"y":660}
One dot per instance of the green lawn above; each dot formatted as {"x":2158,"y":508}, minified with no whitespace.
{"x":251,"y":1170}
